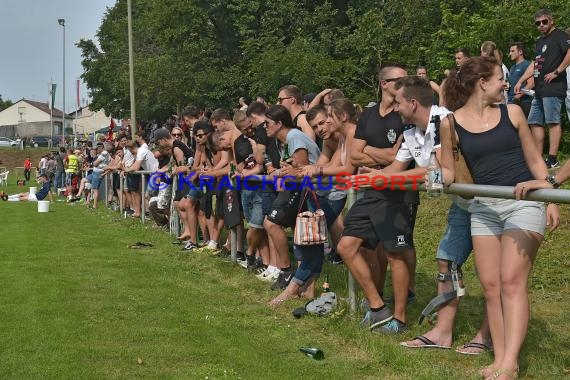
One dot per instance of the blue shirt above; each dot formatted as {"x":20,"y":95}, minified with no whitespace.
{"x":40,"y":195}
{"x":516,"y":72}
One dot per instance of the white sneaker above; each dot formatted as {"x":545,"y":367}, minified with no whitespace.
{"x":272,"y":276}
{"x":267,"y":273}
{"x":212,"y":245}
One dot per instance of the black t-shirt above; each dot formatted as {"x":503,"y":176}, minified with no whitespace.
{"x":383,"y":132}
{"x":550,"y":51}
{"x":272,"y":146}
{"x":243,"y":151}
{"x":185,"y":149}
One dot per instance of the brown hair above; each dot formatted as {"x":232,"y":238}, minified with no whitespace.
{"x":220,"y":114}
{"x":340,"y":106}
{"x":417,"y":88}
{"x":460,"y":84}
{"x":293,"y":91}
{"x":490,"y":50}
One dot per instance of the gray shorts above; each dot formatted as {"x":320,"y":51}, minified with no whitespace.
{"x":493,"y":216}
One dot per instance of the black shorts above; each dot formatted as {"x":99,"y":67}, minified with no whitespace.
{"x":133,"y":182}
{"x":285,"y":208}
{"x":231,"y":208}
{"x":381,"y":221}
{"x":206,"y":204}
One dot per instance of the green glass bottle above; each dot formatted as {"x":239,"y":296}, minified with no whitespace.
{"x":232,"y":178}
{"x":326,"y":286}
{"x":313,"y":352}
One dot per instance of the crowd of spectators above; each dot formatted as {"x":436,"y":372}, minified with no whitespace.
{"x":325,"y":134}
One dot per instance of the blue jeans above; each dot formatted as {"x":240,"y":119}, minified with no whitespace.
{"x":59,"y":179}
{"x":252,"y":203}
{"x":311,"y":258}
{"x":545,"y":110}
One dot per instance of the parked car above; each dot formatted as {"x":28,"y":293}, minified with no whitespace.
{"x":44,"y":141}
{"x":6,"y":142}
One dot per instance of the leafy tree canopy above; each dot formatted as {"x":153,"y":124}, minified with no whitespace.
{"x":211,"y":52}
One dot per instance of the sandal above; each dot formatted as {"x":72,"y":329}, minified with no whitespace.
{"x":511,"y":375}
{"x":474,"y":348}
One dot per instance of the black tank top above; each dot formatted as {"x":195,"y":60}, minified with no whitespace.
{"x":495,"y":157}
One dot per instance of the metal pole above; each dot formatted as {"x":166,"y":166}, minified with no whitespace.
{"x":131,"y":70}
{"x":350,"y":199}
{"x":61,"y":22}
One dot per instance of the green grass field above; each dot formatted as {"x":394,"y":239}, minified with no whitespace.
{"x":78,"y":304}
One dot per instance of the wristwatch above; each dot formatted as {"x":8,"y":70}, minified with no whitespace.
{"x":552,"y":180}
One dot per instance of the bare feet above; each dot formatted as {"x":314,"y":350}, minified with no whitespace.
{"x":284,"y":296}
{"x":184,"y":236}
{"x":308,"y":289}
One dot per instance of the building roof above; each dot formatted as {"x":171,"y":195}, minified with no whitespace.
{"x":44,"y":107}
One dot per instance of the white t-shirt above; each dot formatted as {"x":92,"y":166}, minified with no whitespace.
{"x":149,"y":162}
{"x":128,"y":158}
{"x":104,"y":158}
{"x":418,"y":145}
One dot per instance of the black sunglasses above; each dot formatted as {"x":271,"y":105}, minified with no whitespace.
{"x":543,"y":22}
{"x":177,"y":134}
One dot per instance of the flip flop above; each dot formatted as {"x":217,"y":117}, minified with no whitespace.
{"x":480,"y":347}
{"x":427,"y":343}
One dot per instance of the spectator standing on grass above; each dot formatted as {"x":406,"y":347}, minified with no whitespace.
{"x":27,"y":168}
{"x":50,"y":167}
{"x":499,"y":150}
{"x":516,"y":52}
{"x":552,"y":57}
{"x":291,"y":98}
{"x":60,"y":168}
{"x":101,"y":162}
{"x":382,"y":219}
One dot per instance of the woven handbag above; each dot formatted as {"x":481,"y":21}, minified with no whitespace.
{"x":310,"y":227}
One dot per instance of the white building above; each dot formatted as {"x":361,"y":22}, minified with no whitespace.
{"x":28,"y":118}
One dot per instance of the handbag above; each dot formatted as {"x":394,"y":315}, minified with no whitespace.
{"x":462,"y":173}
{"x":310,"y":227}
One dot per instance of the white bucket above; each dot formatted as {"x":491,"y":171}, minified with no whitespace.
{"x":33,"y":190}
{"x":43,"y":206}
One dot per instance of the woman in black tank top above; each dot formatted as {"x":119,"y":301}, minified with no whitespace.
{"x":499,"y":150}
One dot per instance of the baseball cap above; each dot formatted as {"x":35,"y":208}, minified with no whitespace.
{"x":160,"y":133}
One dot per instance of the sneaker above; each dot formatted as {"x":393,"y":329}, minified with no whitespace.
{"x":550,"y":164}
{"x":189,"y":246}
{"x":270,"y":274}
{"x":259,"y":269}
{"x":212,"y":245}
{"x":374,"y":319}
{"x":335,"y":258}
{"x":283,"y":279}
{"x":394,"y":326}
{"x":411,"y":298}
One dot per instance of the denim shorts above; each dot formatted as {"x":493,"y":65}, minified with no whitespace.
{"x":96,"y":180}
{"x":493,"y":216}
{"x":252,"y":203}
{"x":193,"y":194}
{"x":268,"y":197}
{"x":332,"y":208}
{"x":456,"y":244}
{"x":545,"y":110}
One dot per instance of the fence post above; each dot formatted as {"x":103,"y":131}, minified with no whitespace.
{"x":350,"y":199}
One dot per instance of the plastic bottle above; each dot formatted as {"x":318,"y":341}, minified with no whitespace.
{"x":434,"y":185}
{"x":527,"y":92}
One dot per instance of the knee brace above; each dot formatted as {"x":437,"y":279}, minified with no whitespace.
{"x":453,"y":275}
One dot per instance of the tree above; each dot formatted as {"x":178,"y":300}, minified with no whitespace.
{"x":4,"y":103}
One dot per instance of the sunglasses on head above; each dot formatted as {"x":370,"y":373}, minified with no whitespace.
{"x":543,"y":22}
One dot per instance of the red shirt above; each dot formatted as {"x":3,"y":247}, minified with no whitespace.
{"x":27,"y":164}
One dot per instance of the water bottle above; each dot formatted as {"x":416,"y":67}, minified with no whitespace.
{"x":527,"y":92}
{"x":434,"y":185}
{"x":313,"y":352}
